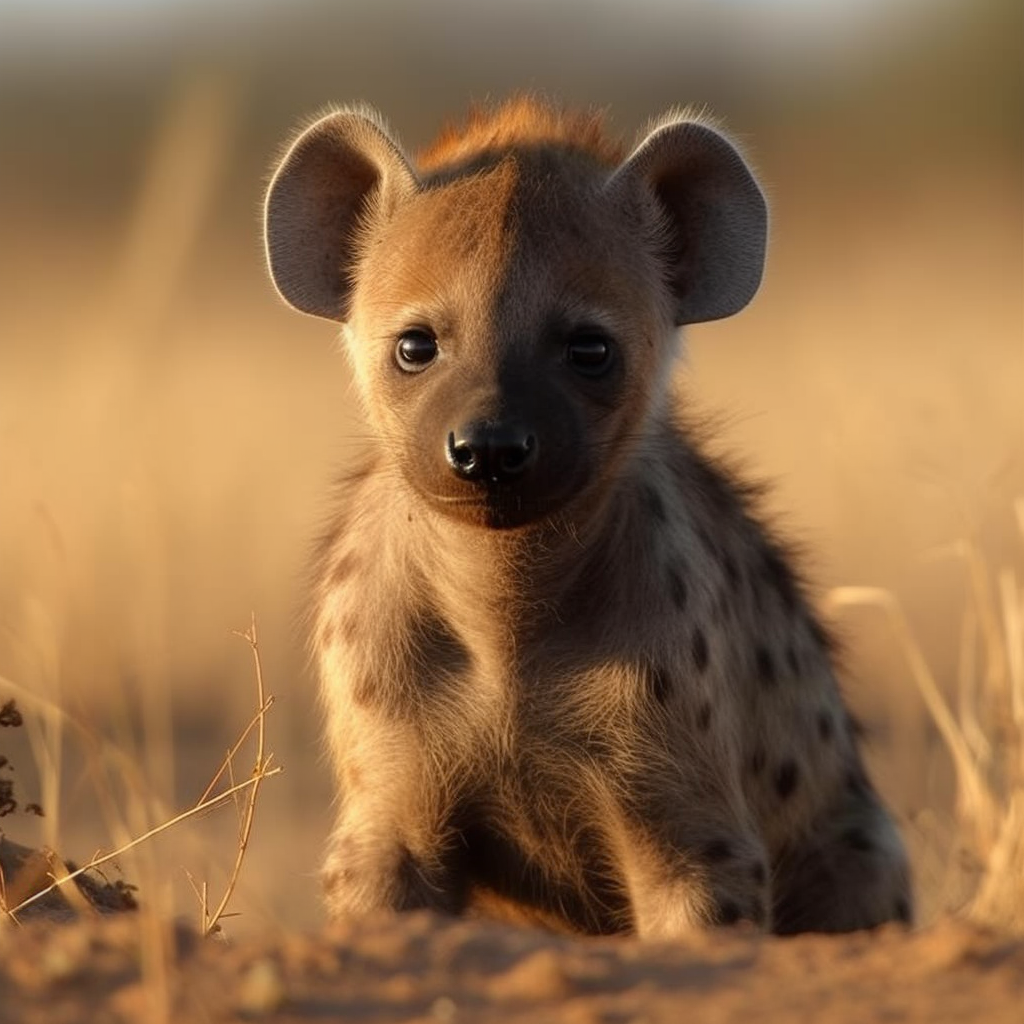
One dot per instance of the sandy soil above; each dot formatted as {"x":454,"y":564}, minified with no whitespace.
{"x":424,"y":968}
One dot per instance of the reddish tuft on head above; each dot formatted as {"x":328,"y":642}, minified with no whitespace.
{"x":521,"y":121}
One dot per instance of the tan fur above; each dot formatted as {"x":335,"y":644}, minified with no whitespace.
{"x":521,"y":121}
{"x":592,"y":695}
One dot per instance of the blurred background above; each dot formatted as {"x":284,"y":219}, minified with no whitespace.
{"x":168,"y":429}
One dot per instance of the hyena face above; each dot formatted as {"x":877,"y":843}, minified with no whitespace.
{"x":498,"y":358}
{"x":510,"y":319}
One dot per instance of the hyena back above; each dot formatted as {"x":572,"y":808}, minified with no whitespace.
{"x":567,"y":675}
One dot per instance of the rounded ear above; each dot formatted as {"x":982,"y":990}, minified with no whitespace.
{"x":339,"y":174}
{"x":714,"y":217}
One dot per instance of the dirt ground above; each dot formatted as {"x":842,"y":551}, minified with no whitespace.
{"x":421,"y":967}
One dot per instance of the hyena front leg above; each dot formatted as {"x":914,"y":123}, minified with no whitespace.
{"x":848,"y":872}
{"x":687,"y":874}
{"x":391,"y":846}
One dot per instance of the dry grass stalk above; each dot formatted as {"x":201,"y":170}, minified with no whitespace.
{"x":261,"y":769}
{"x":988,"y":758}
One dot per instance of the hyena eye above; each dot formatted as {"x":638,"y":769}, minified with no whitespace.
{"x":589,"y":351}
{"x":416,"y":349}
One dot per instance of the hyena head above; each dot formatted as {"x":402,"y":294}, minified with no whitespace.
{"x":510,"y":303}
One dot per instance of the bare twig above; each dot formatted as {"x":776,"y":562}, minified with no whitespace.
{"x":202,"y":895}
{"x":210,"y":923}
{"x":107,"y":857}
{"x":211,"y":920}
{"x":257,"y":720}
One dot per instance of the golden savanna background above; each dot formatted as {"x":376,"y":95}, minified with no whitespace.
{"x":168,"y":430}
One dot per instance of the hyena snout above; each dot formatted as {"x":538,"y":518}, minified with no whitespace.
{"x":491,"y":452}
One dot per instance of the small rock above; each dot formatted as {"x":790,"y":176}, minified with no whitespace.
{"x":444,"y":1010}
{"x":536,"y":977}
{"x":66,"y":956}
{"x":262,"y":988}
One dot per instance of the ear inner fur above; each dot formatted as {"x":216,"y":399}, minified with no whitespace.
{"x":340,"y":173}
{"x":714,"y":218}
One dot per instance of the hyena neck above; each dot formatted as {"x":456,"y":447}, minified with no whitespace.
{"x":575,"y":569}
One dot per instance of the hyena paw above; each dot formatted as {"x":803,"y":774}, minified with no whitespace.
{"x":358,"y":878}
{"x":731,"y":887}
{"x":851,"y":873}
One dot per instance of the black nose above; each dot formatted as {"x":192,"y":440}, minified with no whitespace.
{"x":498,"y":452}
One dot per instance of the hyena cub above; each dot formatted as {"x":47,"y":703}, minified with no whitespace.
{"x":568,"y":676}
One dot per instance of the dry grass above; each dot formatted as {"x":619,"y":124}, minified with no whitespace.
{"x":984,"y":735}
{"x":248,"y":789}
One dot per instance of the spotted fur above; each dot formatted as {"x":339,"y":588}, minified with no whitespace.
{"x":585,"y":688}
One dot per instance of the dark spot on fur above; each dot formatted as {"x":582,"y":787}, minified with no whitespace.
{"x":758,"y":759}
{"x":677,"y":589}
{"x":854,"y":727}
{"x":765,"y":666}
{"x":857,"y":839}
{"x":780,"y":576}
{"x":353,"y":776}
{"x":728,"y":912}
{"x":699,"y":647}
{"x":704,"y":716}
{"x":436,"y":656}
{"x":342,"y":569}
{"x":793,"y":660}
{"x":857,"y":783}
{"x":759,"y":873}
{"x":786,"y":777}
{"x":758,"y":912}
{"x":660,"y":684}
{"x":655,"y":503}
{"x":437,"y":646}
{"x":367,"y":692}
{"x":826,"y":727}
{"x":717,"y":850}
{"x":902,"y":910}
